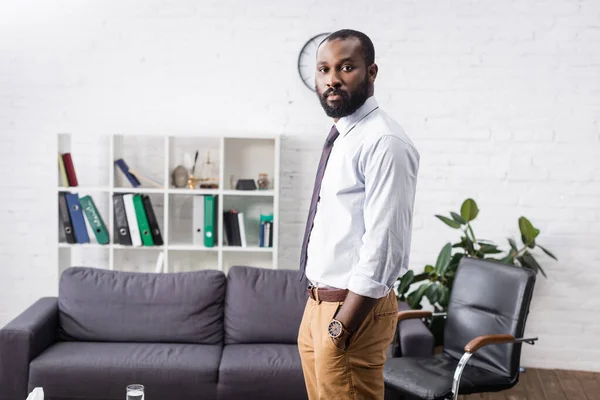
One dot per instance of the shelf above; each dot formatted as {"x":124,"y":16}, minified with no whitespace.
{"x":193,"y":191}
{"x":265,"y":193}
{"x":74,"y":189}
{"x":191,"y":247}
{"x":83,"y":246}
{"x":252,"y":249}
{"x":232,"y":157}
{"x":137,"y":190}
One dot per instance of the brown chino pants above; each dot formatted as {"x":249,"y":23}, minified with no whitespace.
{"x":356,"y":373}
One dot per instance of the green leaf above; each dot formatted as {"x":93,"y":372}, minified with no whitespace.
{"x":532,"y":263}
{"x":416,"y":297}
{"x":451,"y":223}
{"x":443,"y":259}
{"x":528,"y":231}
{"x":421,"y":277}
{"x":432,"y":294}
{"x":469,"y":246}
{"x":512,"y":244}
{"x":469,"y":210}
{"x":527,"y":243}
{"x":444,"y":296}
{"x":509,"y":259}
{"x":429,"y":269}
{"x":489,"y":249}
{"x":458,"y":218}
{"x":405,"y":281}
{"x":547,"y":252}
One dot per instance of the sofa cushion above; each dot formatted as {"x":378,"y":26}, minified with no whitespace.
{"x":261,"y":371}
{"x":263,"y":305}
{"x":103,"y":370}
{"x":102,"y":305}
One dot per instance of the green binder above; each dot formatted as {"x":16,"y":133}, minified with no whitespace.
{"x":210,"y":231}
{"x":142,"y":220}
{"x":94,"y":218}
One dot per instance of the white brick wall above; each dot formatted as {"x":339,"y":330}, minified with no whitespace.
{"x":502,"y":100}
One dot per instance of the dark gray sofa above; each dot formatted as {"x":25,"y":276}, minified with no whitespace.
{"x":189,"y":335}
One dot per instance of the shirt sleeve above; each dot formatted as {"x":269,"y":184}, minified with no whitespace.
{"x":390,"y":177}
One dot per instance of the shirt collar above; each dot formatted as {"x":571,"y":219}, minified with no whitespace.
{"x":345,"y":124}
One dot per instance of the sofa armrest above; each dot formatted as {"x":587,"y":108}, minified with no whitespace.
{"x":414,"y":339}
{"x":23,"y":339}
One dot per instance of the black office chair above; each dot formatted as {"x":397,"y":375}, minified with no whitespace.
{"x":484,"y":329}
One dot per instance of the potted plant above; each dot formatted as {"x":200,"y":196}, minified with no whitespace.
{"x":435,"y":282}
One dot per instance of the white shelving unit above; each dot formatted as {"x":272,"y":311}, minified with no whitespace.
{"x":157,"y":156}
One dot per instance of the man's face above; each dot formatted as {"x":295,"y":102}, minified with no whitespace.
{"x":343,"y":81}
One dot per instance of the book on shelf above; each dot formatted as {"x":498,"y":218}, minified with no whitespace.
{"x":135,"y":221}
{"x":266,"y":231}
{"x":122,"y":165}
{"x":66,"y":170}
{"x":142,"y":176}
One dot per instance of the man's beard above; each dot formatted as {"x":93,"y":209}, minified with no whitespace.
{"x":349,"y":103}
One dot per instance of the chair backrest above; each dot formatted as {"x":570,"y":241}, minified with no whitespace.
{"x":488,"y":297}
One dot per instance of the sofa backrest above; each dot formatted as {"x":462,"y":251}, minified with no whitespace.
{"x":102,"y":305}
{"x":263,"y":305}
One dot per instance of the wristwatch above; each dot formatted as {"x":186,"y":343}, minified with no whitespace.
{"x":336,"y":329}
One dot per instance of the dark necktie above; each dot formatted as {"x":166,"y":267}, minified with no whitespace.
{"x":333,"y":134}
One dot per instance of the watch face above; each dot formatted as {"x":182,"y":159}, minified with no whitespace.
{"x":335,"y":328}
{"x":307,"y":60}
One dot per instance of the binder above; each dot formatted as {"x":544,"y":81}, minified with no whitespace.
{"x":65,"y":219}
{"x":68,"y":161}
{"x":122,"y":235}
{"x":94,"y":219}
{"x":64,"y":181}
{"x":235,"y":228}
{"x":125,"y":169}
{"x":76,"y":214}
{"x":198,"y":221}
{"x":210,"y":231}
{"x":242,"y":230}
{"x":142,"y":220}
{"x":134,"y":228}
{"x":227,"y":227}
{"x":270,"y":233}
{"x":152,"y":221}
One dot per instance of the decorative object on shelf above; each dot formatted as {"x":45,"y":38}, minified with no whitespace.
{"x":263,"y":181}
{"x":180,"y":176}
{"x":306,"y":60}
{"x":245,"y":184}
{"x":209,"y":178}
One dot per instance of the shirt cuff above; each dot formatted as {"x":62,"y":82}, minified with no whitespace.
{"x":365,"y":286}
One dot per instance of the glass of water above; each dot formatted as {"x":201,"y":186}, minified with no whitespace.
{"x":135,"y":392}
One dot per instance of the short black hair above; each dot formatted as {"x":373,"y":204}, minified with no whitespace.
{"x":368,"y":50}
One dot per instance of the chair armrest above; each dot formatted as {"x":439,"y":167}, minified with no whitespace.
{"x":413,"y":314}
{"x":475,"y":345}
{"x":485,"y":340}
{"x":414,"y":339}
{"x":23,"y":339}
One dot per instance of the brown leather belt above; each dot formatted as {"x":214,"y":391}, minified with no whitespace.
{"x":328,"y":295}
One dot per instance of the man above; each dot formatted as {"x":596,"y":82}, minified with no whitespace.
{"x":358,"y":233}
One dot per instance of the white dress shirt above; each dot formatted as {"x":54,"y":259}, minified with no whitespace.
{"x":361,"y":235}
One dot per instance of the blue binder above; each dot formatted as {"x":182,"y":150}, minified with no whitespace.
{"x":77,"y":219}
